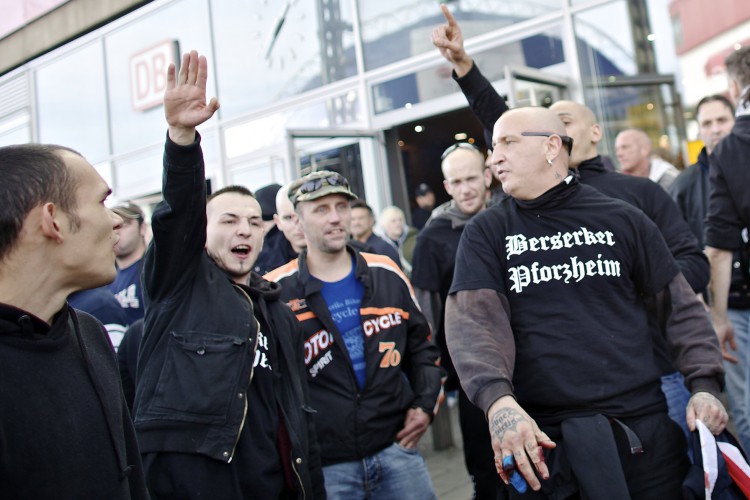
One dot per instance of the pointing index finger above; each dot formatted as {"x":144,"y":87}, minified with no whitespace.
{"x":448,"y":16}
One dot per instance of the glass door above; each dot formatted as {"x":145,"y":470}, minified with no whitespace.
{"x":358,"y":155}
{"x":533,"y":87}
{"x":647,"y":102}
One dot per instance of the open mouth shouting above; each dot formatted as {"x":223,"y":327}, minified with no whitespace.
{"x":241,"y":251}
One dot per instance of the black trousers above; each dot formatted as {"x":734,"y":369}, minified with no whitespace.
{"x":655,"y":474}
{"x":478,"y":454}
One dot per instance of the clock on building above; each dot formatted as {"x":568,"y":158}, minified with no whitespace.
{"x":282,"y":29}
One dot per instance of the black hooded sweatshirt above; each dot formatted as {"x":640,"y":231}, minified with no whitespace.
{"x":65,"y":430}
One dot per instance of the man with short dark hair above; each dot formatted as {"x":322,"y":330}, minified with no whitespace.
{"x":129,"y":250}
{"x":548,"y":328}
{"x":65,"y":431}
{"x":715,"y":115}
{"x":425,"y":199}
{"x":221,"y":406}
{"x":729,"y":200}
{"x":363,"y":222}
{"x":373,"y":372}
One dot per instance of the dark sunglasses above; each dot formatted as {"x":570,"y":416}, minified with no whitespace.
{"x":568,"y":141}
{"x":458,"y":145}
{"x":314,"y":184}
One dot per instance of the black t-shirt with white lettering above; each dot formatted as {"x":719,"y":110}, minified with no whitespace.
{"x":258,"y":461}
{"x":574,"y":266}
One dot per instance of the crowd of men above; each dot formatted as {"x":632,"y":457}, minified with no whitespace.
{"x":273,"y":345}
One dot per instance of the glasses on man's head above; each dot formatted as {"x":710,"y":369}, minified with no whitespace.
{"x":458,"y":145}
{"x":330,"y":180}
{"x":568,"y":141}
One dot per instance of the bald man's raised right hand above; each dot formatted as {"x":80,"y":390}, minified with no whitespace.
{"x":450,"y":42}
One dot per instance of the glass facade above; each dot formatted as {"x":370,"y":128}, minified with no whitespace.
{"x":72,"y":114}
{"x":352,"y":71}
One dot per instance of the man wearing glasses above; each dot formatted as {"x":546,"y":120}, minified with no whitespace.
{"x":594,"y":170}
{"x":548,"y":328}
{"x":373,"y":373}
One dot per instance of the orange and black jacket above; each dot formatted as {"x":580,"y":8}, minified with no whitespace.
{"x":402,"y":362}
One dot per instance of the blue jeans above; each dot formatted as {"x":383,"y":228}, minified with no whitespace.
{"x":673,"y":387}
{"x":737,"y":376}
{"x":392,"y":473}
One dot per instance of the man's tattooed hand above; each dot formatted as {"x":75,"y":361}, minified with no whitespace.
{"x":505,"y":419}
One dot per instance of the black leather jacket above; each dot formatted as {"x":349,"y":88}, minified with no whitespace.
{"x":201,"y":334}
{"x":690,"y":192}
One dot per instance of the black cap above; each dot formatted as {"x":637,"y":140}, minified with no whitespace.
{"x":266,"y":197}
{"x":422,"y":190}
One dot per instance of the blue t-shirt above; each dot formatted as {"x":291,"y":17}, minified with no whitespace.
{"x":344,"y":298}
{"x":127,"y":290}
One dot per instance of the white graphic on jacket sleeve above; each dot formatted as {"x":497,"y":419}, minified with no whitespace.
{"x":128,"y":298}
{"x":261,"y":353}
{"x":518,"y":244}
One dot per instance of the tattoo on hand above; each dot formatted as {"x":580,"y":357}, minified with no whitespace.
{"x":505,"y":420}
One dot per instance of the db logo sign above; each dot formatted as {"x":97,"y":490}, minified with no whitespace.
{"x":148,"y":74}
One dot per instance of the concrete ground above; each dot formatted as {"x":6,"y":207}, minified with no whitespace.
{"x":447,"y":469}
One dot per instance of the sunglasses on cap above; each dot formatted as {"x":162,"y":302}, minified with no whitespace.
{"x":458,"y":145}
{"x":567,"y":141}
{"x":314,"y":184}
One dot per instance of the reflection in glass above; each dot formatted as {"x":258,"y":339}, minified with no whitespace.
{"x":346,"y":160}
{"x":16,"y":136}
{"x":619,"y":38}
{"x":271,"y":130}
{"x":15,"y":128}
{"x":268,"y":50}
{"x":393,"y":30}
{"x":139,"y":174}
{"x":260,"y":173}
{"x":543,"y":50}
{"x":647,"y":107}
{"x":72,"y":103}
{"x":605,"y":42}
{"x":184,"y":21}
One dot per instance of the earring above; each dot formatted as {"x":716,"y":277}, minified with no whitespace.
{"x":549,"y":162}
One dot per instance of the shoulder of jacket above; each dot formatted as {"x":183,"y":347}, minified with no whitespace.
{"x":289,"y":269}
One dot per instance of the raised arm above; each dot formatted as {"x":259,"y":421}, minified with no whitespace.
{"x":179,"y":221}
{"x":450,"y":42}
{"x":484,"y":101}
{"x":185,"y":98}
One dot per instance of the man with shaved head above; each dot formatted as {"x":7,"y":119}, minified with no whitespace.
{"x":287,"y":242}
{"x":581,"y":125}
{"x":549,"y":332}
{"x":633,"y":150}
{"x":466,"y":180}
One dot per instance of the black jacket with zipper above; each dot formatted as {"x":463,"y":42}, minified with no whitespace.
{"x":200,"y":337}
{"x":402,"y":363}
